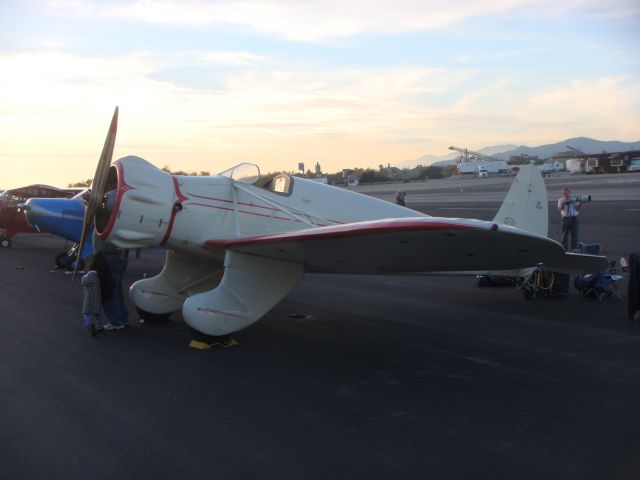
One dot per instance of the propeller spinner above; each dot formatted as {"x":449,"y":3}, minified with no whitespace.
{"x":95,"y":195}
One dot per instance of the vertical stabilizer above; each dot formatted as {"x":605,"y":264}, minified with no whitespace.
{"x":526,"y":206}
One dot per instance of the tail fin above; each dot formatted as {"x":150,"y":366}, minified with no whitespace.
{"x":526,"y":205}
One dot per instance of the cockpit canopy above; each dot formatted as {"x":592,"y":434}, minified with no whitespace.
{"x":243,"y":173}
{"x":250,"y":174}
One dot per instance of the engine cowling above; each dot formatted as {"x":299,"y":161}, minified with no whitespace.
{"x":139,"y":205}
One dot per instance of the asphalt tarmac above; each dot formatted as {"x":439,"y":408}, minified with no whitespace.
{"x":348,"y":377}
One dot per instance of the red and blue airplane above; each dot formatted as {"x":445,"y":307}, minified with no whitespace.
{"x":12,"y":220}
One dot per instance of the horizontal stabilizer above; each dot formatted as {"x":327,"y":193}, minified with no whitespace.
{"x":578,"y":263}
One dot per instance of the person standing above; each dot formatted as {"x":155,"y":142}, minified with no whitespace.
{"x":92,"y":304}
{"x":97,"y":286}
{"x":569,"y":211}
{"x":116,"y":307}
{"x":115,"y":263}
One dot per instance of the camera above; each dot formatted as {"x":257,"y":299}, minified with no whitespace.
{"x":580,"y":198}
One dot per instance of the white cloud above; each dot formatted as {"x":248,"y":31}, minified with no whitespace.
{"x":606,"y":107}
{"x":55,"y":108}
{"x":318,"y":21}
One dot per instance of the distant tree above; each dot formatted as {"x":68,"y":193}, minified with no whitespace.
{"x":450,"y":170}
{"x":85,"y":183}
{"x":432,"y":172}
{"x":335,"y":178}
{"x":167,"y":169}
{"x":371,"y":176}
{"x":368,"y":176}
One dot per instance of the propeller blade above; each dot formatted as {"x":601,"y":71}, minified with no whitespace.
{"x":98,"y":186}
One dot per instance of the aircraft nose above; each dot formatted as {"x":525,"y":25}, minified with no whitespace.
{"x":34,"y":212}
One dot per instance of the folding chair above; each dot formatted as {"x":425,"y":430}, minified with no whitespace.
{"x":604,"y":284}
{"x":599,"y":285}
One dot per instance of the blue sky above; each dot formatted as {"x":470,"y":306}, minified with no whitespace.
{"x":205,"y":85}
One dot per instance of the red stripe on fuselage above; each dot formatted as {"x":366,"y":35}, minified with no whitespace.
{"x":174,"y":211}
{"x":251,"y":205}
{"x":122,"y":189}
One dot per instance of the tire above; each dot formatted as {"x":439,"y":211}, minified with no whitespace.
{"x":5,"y":242}
{"x":73,"y":261}
{"x":153,"y":317}
{"x":62,"y":260}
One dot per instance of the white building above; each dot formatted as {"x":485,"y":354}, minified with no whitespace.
{"x":473,"y":166}
{"x":551,"y":167}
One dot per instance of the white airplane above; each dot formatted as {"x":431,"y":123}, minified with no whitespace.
{"x":235,"y":249}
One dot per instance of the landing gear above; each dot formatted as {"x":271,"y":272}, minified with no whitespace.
{"x":62,"y":260}
{"x":5,"y":242}
{"x":149,"y":317}
{"x":68,"y":260}
{"x":80,"y":263}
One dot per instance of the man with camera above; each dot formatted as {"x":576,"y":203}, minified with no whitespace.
{"x":569,"y":207}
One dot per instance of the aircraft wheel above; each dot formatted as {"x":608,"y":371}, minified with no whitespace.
{"x":5,"y":242}
{"x":153,"y":317}
{"x":62,"y":260}
{"x":72,"y":263}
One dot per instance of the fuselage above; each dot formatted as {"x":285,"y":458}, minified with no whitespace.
{"x":60,"y":216}
{"x":215,"y":208}
{"x":154,"y":208}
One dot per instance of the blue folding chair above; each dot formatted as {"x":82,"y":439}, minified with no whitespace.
{"x":597,"y":285}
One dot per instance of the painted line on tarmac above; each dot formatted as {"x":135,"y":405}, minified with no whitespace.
{"x":632,"y":210}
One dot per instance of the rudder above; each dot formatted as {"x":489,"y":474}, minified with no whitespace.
{"x":526,"y":205}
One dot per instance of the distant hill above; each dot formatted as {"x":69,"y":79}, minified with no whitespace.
{"x":449,"y":158}
{"x":445,"y":163}
{"x":424,"y":160}
{"x":497,"y":149}
{"x":584,"y":144}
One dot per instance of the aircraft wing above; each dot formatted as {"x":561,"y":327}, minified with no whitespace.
{"x":404,"y":245}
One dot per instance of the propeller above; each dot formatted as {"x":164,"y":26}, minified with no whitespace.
{"x":95,"y":194}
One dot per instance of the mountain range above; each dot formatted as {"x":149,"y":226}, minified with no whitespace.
{"x":503,"y":152}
